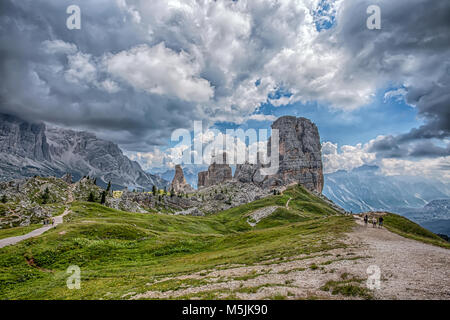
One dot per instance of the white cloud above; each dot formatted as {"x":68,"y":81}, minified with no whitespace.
{"x":397,"y":95}
{"x":262,"y":117}
{"x":436,"y":168}
{"x":350,"y":157}
{"x":160,"y":70}
{"x":130,"y":10}
{"x":58,"y":46}
{"x":80,"y":69}
{"x":347,"y":158}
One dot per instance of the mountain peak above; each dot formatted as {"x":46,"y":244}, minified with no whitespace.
{"x":28,"y":149}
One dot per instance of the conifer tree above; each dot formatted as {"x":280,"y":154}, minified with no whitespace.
{"x":45,"y":196}
{"x":91,"y":197}
{"x":103,"y":199}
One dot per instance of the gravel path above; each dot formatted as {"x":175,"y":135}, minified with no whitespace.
{"x":408,"y":270}
{"x":13,"y":240}
{"x":287,"y":203}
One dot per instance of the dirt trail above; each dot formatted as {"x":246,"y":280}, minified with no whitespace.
{"x":409,"y":270}
{"x":56,"y":221}
{"x":13,"y":240}
{"x":287,"y":203}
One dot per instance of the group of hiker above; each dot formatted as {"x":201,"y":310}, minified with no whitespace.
{"x":374,"y":221}
{"x":49,"y":221}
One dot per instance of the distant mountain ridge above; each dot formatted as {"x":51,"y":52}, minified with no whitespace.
{"x":28,"y":149}
{"x":364,"y":189}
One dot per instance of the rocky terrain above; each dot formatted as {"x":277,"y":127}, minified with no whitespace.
{"x":218,"y":172}
{"x":204,"y":201}
{"x":28,"y":149}
{"x":32,"y":200}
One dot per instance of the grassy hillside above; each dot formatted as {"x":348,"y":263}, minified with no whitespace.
{"x":409,"y":229}
{"x":120,"y":252}
{"x":18,"y":231}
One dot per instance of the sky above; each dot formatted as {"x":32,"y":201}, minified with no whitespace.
{"x":136,"y":71}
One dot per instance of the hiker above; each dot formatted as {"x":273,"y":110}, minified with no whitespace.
{"x":374,"y":222}
{"x":366,"y":219}
{"x":380,"y":222}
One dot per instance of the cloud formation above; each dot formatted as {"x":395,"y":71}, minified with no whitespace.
{"x":137,"y":70}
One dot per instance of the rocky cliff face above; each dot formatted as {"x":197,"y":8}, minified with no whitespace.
{"x":300,"y":157}
{"x":179,"y":183}
{"x":32,"y":149}
{"x":218,"y":172}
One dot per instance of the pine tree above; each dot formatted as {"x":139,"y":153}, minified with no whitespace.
{"x":103,"y":199}
{"x":91,"y":197}
{"x":95,"y":181}
{"x":154,"y":190}
{"x":45,"y":196}
{"x":4,"y":199}
{"x":108,"y":188}
{"x":172,"y":193}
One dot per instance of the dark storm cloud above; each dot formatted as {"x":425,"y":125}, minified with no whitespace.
{"x":412,"y":50}
{"x":33,"y":86}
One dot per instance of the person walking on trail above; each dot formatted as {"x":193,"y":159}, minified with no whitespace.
{"x":366,"y":220}
{"x":374,"y":222}
{"x":380,"y":222}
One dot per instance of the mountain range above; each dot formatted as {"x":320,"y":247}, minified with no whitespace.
{"x":28,"y":149}
{"x":424,"y":201}
{"x":366,"y":189}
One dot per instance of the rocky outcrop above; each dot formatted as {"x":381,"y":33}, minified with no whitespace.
{"x":300,"y":157}
{"x":27,"y":140}
{"x":179,"y":183}
{"x":29,"y":149}
{"x":67,"y":178}
{"x":218,"y":172}
{"x":32,"y":200}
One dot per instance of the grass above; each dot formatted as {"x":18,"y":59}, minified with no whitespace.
{"x":18,"y":231}
{"x":407,"y":228}
{"x":348,"y":287}
{"x":121,"y":252}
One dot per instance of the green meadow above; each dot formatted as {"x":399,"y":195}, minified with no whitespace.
{"x":122,"y":253}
